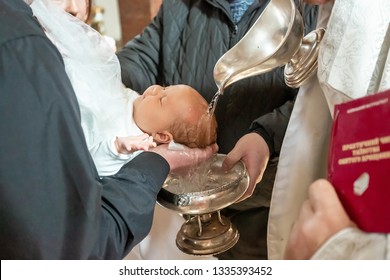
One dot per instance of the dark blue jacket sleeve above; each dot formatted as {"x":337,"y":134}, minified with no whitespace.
{"x":53,"y":205}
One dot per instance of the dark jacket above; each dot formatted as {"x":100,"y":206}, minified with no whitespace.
{"x":182,"y":45}
{"x":52,"y":203}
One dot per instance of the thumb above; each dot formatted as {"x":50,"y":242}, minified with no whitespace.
{"x":231,"y":159}
{"x":322,"y":195}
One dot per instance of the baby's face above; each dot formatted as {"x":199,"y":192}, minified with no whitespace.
{"x":77,"y":8}
{"x":160,"y":107}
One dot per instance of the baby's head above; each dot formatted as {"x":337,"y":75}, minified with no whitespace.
{"x":176,"y":113}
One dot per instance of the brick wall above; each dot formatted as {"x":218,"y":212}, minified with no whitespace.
{"x":135,"y":15}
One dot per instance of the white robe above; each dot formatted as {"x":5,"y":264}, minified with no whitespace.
{"x":106,"y":106}
{"x":101,"y":143}
{"x":353,"y":61}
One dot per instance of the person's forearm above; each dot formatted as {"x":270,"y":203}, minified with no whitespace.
{"x":128,"y":202}
{"x":52,"y":204}
{"x":272,"y":127}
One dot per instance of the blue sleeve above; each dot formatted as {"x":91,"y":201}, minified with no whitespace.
{"x":52,"y":203}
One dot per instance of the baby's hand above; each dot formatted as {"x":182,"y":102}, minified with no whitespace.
{"x":129,"y":144}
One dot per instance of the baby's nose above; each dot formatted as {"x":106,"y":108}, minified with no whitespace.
{"x":156,"y":91}
{"x":150,"y":93}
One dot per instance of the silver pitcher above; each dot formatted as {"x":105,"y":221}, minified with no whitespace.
{"x":275,"y":39}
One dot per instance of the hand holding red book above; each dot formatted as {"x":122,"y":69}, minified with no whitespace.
{"x":359,"y":160}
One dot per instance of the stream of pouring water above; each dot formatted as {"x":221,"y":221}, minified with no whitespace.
{"x":213,"y":102}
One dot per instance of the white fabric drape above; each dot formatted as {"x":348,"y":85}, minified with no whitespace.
{"x":94,"y":71}
{"x":353,"y":62}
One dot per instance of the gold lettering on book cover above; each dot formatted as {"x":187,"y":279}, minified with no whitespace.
{"x":367,"y":150}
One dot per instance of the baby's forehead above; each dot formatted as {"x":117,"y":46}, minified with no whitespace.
{"x":182,"y":93}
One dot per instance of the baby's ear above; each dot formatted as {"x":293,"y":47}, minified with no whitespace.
{"x":163,"y":137}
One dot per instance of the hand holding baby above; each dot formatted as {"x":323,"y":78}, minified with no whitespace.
{"x":181,"y":161}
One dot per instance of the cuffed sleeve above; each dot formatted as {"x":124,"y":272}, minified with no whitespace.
{"x":272,"y":127}
{"x":354,"y":244}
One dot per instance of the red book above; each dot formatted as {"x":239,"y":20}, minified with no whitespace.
{"x":359,"y":160}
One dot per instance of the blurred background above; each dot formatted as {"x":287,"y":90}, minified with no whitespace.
{"x":122,"y":19}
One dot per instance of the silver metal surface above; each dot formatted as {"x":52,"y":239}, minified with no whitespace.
{"x":274,"y":40}
{"x":207,"y":236}
{"x":271,"y":42}
{"x":207,"y":189}
{"x":304,"y":63}
{"x":200,"y":195}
